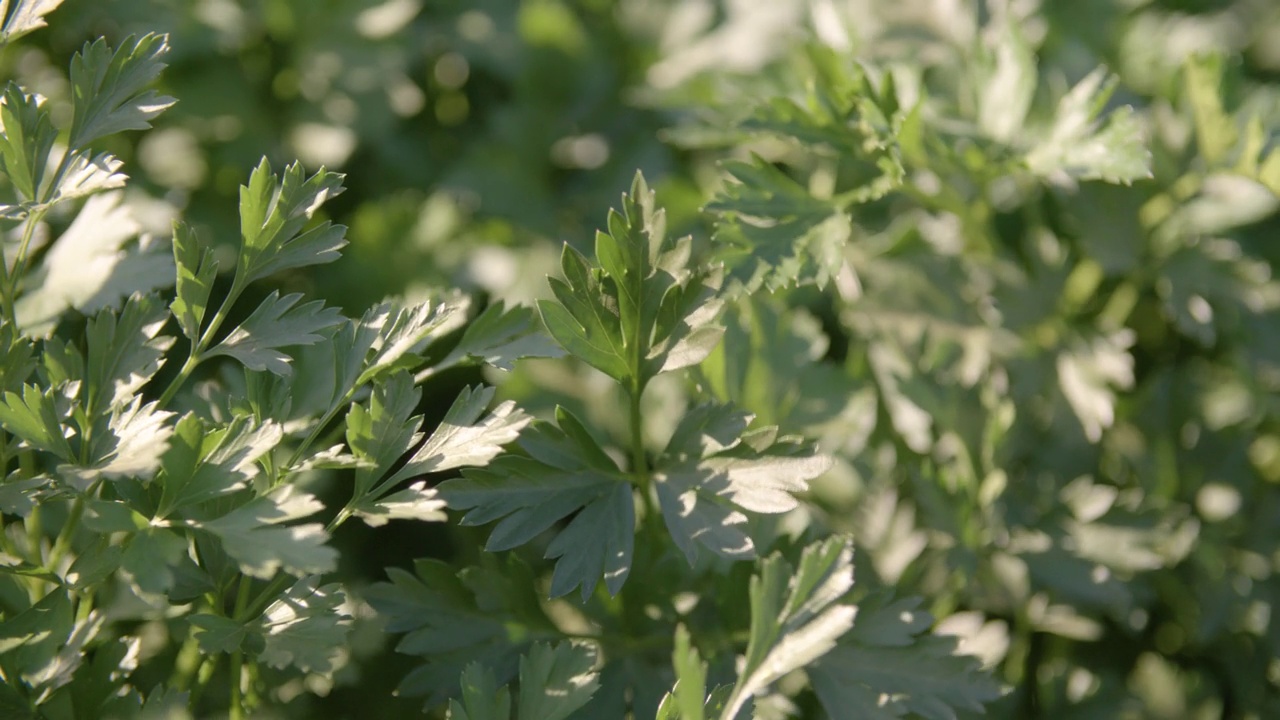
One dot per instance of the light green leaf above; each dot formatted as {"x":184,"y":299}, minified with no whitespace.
{"x":795,"y":617}
{"x":1216,"y":131}
{"x":416,"y":502}
{"x":687,"y":700}
{"x":93,"y":266}
{"x":1008,"y":84}
{"x":124,"y":353}
{"x":381,"y":433}
{"x":554,"y":682}
{"x":774,"y":232}
{"x":26,"y":141}
{"x":255,"y":536}
{"x":1080,"y":147}
{"x":87,"y":174}
{"x":463,"y":439}
{"x":273,"y":212}
{"x":306,"y":627}
{"x":482,"y":699}
{"x":34,"y":417}
{"x":107,"y":89}
{"x":197,"y":270}
{"x":891,"y":654}
{"x":276,"y":323}
{"x":1089,"y":372}
{"x":708,"y":473}
{"x":403,"y":332}
{"x":25,"y":16}
{"x":205,"y":462}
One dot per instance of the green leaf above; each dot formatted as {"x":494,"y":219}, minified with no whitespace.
{"x":108,"y":89}
{"x":773,"y":232}
{"x":642,"y":310}
{"x":26,"y":141}
{"x":276,"y":323}
{"x":217,"y":634}
{"x":34,"y":416}
{"x":25,"y":16}
{"x":416,"y":502}
{"x":254,"y":535}
{"x":197,"y":270}
{"x":403,"y":332}
{"x":124,"y":353}
{"x":564,"y":472}
{"x":306,"y":627}
{"x":151,"y":558}
{"x":795,"y":617}
{"x":1080,"y":147}
{"x":381,"y":433}
{"x":709,"y":472}
{"x":487,"y":614}
{"x":205,"y":462}
{"x":554,"y":682}
{"x":463,"y":439}
{"x":1008,"y":84}
{"x":110,"y":516}
{"x":273,"y":212}
{"x":482,"y":699}
{"x":92,"y":266}
{"x":891,"y":654}
{"x":1216,"y":131}
{"x":500,"y":337}
{"x":687,"y":700}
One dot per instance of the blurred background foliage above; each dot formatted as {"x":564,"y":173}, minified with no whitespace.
{"x":1053,"y":400}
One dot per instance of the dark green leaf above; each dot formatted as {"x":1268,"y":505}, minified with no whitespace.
{"x":108,"y":92}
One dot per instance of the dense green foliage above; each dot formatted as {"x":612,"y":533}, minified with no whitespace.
{"x":927,"y":367}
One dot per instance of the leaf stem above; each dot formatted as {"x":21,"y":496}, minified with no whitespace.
{"x":198,"y":347}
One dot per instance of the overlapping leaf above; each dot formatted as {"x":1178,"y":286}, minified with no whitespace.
{"x":562,"y":471}
{"x":891,"y":654}
{"x":487,"y":615}
{"x":796,"y":616}
{"x":277,"y":323}
{"x":255,"y":535}
{"x":554,"y":683}
{"x":713,"y":468}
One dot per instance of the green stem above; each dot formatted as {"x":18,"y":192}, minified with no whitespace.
{"x":9,"y":293}
{"x":237,"y":657}
{"x":207,"y":669}
{"x":63,"y":543}
{"x":198,"y":347}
